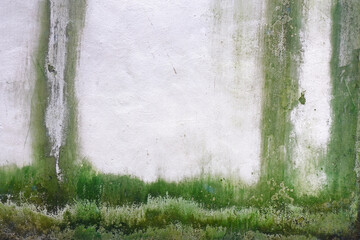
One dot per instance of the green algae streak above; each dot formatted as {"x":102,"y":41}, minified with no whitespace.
{"x":68,"y":152}
{"x":282,"y":56}
{"x":45,"y":176}
{"x":345,"y":40}
{"x":56,"y":193}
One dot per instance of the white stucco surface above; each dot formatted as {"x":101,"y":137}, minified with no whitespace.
{"x":56,"y":110}
{"x":165,"y":89}
{"x":18,"y":38}
{"x":171,"y":89}
{"x":312,"y":120}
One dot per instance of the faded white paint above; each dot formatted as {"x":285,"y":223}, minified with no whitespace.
{"x":152,"y":101}
{"x":313,"y":119}
{"x":55,"y":71}
{"x":237,"y":64}
{"x":19,"y":30}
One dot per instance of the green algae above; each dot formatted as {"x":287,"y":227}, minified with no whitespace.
{"x":342,"y":160}
{"x":21,"y":184}
{"x":45,"y":165}
{"x":205,"y":206}
{"x":302,"y":98}
{"x":282,"y":56}
{"x":341,"y":156}
{"x":68,"y":152}
{"x":112,"y":204}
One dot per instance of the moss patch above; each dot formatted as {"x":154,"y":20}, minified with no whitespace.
{"x":282,"y":55}
{"x":172,"y":218}
{"x":340,"y":160}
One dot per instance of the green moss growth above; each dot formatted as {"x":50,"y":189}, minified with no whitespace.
{"x":21,"y":184}
{"x":282,"y":56}
{"x":172,"y":217}
{"x":302,"y":98}
{"x":340,"y":160}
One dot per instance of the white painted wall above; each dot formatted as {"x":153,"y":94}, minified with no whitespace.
{"x":312,"y":120}
{"x":19,"y":31}
{"x":169,"y":89}
{"x":163,"y":92}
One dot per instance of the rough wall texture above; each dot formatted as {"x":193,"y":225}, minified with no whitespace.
{"x":221,"y":102}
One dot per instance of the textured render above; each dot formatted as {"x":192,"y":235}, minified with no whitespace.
{"x":215,"y":118}
{"x":178,"y":98}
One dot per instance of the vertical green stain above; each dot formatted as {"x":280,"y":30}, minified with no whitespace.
{"x":281,"y":59}
{"x":56,"y":192}
{"x":68,"y":152}
{"x":45,"y":178}
{"x":345,"y":40}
